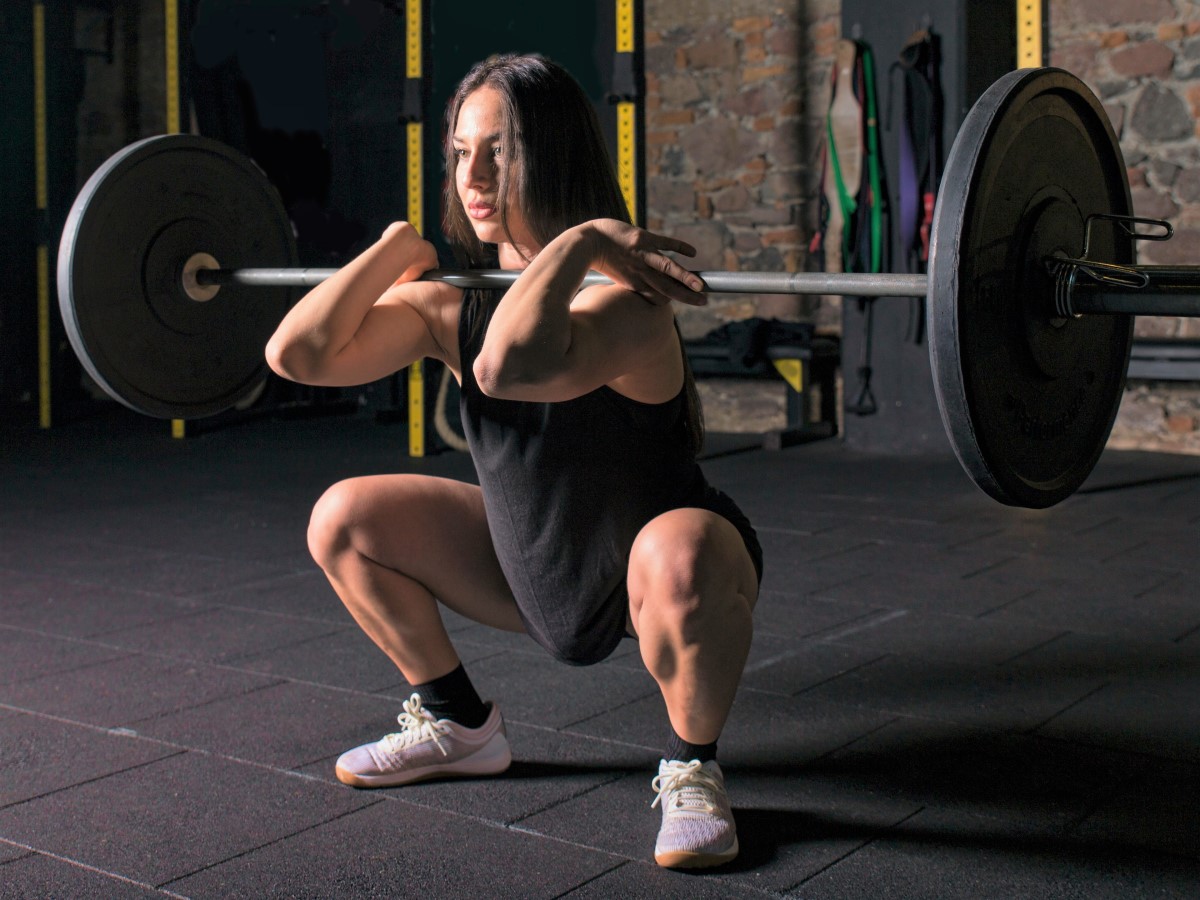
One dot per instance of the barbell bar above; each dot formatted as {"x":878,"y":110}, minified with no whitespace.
{"x":1104,"y":288}
{"x":833,"y":283}
{"x":1160,"y":290}
{"x":178,"y":261}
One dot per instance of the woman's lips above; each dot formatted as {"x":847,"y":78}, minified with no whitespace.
{"x":480,"y":210}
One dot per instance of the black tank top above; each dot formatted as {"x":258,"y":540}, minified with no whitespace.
{"x":567,"y":487}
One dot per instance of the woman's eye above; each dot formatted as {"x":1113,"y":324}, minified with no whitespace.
{"x":460,"y":153}
{"x":496,"y":151}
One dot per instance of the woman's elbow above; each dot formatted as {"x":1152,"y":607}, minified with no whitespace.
{"x":504,"y":375}
{"x":289,"y":359}
{"x":489,"y":375}
{"x":514,"y":377}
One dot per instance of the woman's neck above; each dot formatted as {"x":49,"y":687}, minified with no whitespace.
{"x":513,"y":257}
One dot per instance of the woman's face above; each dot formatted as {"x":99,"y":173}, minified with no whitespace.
{"x":480,"y":156}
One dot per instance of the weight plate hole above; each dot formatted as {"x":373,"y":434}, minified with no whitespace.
{"x":199,"y":292}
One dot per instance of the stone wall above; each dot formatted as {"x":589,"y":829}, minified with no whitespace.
{"x":734,"y":91}
{"x":1142,"y":58}
{"x":735,"y":96}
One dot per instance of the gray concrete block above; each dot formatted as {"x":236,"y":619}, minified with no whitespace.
{"x":1156,"y":810}
{"x":40,"y":756}
{"x":184,"y":573}
{"x":305,"y":593}
{"x":790,"y":614}
{"x":1139,"y":715}
{"x":38,"y":877}
{"x":170,"y":818}
{"x":786,"y":665}
{"x":28,"y":655}
{"x":219,"y":634}
{"x":936,"y":855}
{"x":941,"y":638}
{"x":394,"y":848}
{"x":130,"y":690}
{"x":985,"y":696}
{"x":60,"y":607}
{"x":1021,"y":778}
{"x":345,"y":659}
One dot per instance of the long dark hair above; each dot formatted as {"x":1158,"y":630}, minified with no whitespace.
{"x":550,"y":129}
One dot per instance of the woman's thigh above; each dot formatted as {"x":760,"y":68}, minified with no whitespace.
{"x":431,"y":530}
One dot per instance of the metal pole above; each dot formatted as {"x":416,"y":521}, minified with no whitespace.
{"x":1129,"y":303}
{"x":1168,"y":291}
{"x":851,"y":284}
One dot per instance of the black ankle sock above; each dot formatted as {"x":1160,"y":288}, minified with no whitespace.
{"x":678,"y":748}
{"x":453,"y":697}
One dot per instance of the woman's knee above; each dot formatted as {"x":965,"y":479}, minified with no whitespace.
{"x":685,"y":569}
{"x":331,"y":524}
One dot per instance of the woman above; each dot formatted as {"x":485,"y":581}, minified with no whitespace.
{"x":592,"y":521}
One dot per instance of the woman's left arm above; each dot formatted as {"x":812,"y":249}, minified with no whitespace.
{"x":550,"y":341}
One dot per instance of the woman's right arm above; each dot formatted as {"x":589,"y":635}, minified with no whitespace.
{"x":364,"y":322}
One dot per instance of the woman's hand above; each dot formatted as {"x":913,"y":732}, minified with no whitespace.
{"x":419,"y":253}
{"x":636,"y":260}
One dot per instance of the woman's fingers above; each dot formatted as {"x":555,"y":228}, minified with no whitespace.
{"x":674,"y":270}
{"x":673,"y":280}
{"x":674,"y":245}
{"x":639,"y":261}
{"x":669,"y":282}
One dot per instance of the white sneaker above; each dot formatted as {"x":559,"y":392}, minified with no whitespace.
{"x":697,"y":824}
{"x":426,"y":747}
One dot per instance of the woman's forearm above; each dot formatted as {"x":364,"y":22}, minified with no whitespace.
{"x":328,"y":317}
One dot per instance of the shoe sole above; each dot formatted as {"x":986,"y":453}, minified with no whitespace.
{"x":685,"y":859}
{"x":491,"y":759}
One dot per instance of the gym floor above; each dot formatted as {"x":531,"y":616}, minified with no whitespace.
{"x":945,"y":698}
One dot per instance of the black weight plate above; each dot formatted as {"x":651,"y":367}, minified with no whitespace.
{"x":136,"y":222}
{"x":1027,"y":399}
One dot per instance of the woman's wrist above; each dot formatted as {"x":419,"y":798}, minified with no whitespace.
{"x":401,"y":245}
{"x":398,"y":233}
{"x":588,"y":236}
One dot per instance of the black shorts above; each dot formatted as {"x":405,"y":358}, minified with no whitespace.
{"x":722,"y":504}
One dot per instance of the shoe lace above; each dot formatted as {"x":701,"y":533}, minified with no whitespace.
{"x":686,"y":786}
{"x":418,"y":725}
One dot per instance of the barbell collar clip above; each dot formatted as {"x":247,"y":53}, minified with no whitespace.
{"x":1110,"y":289}
{"x":1128,"y":224}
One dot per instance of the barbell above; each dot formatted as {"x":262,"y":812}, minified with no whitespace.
{"x":1031,"y":288}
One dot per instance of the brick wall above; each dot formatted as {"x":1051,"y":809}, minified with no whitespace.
{"x":1142,"y":58}
{"x":733,"y":94}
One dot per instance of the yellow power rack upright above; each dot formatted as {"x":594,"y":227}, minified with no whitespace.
{"x":626,"y":42}
{"x":414,"y":72}
{"x":174,"y":119}
{"x":1031,"y":27}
